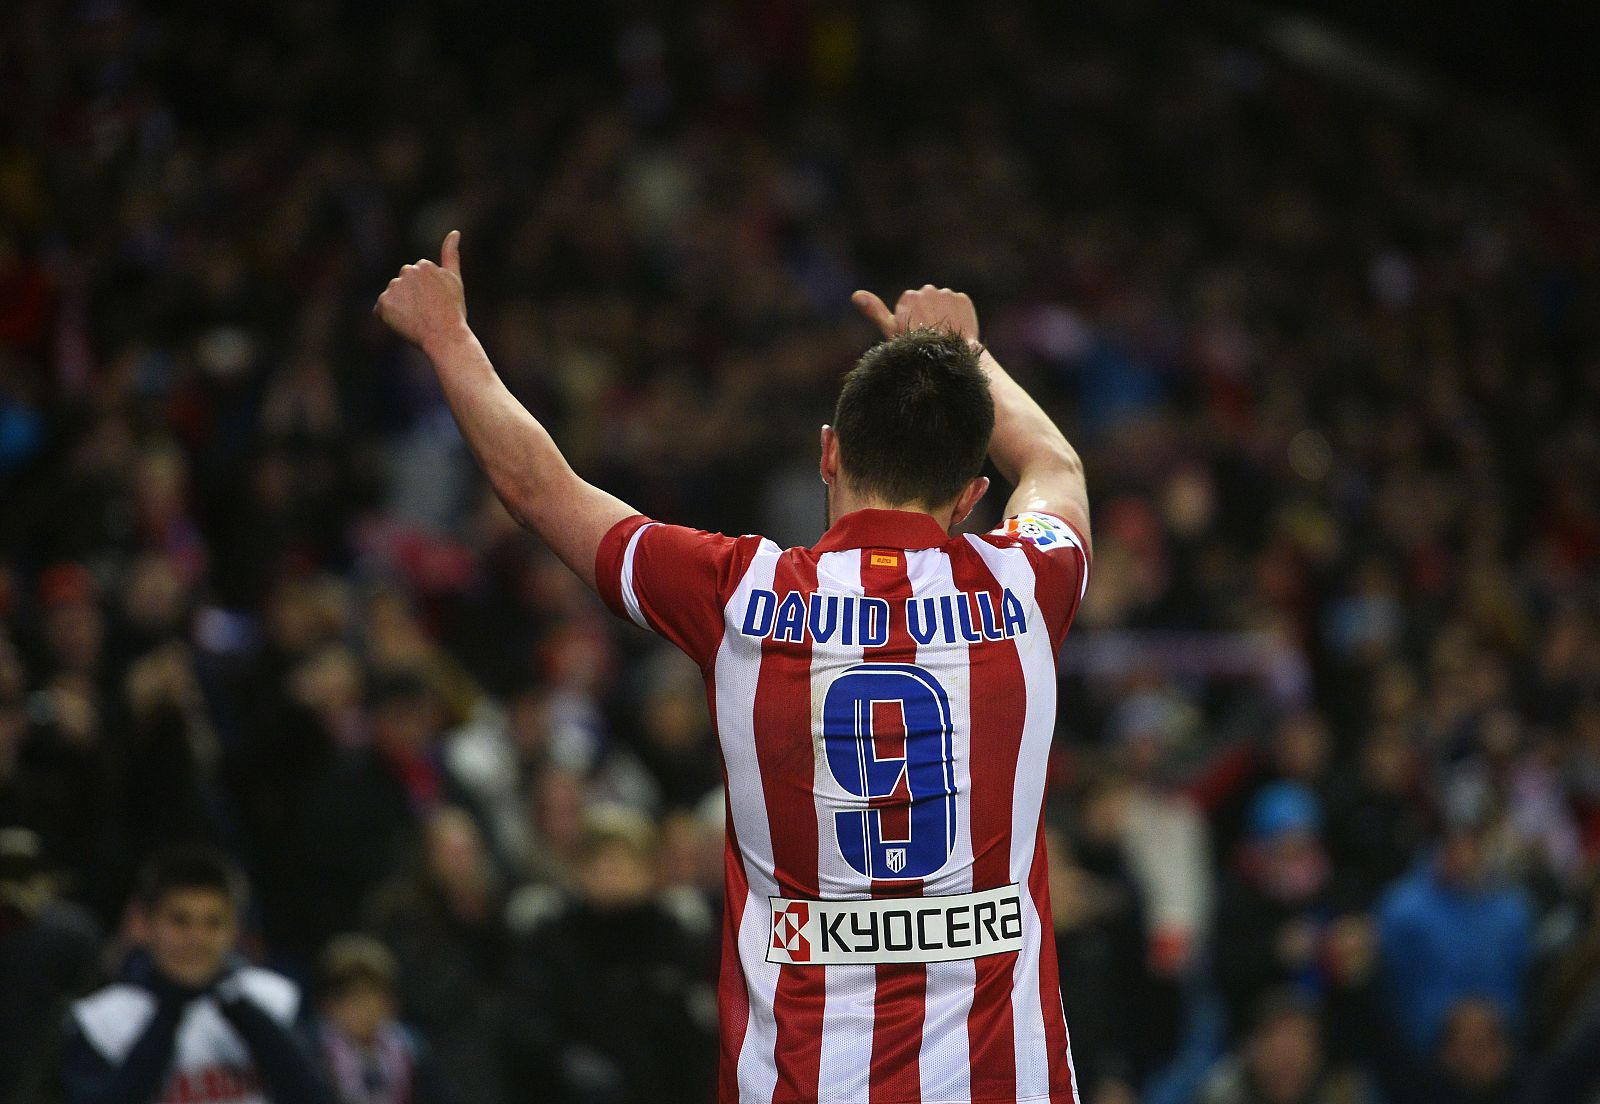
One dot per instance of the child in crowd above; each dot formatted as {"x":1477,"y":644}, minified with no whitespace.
{"x":369,"y":1056}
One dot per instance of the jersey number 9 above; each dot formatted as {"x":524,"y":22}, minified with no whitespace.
{"x":908,"y":828}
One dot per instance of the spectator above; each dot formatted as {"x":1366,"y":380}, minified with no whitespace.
{"x":1297,"y":749}
{"x":444,"y":918}
{"x":1448,"y":932}
{"x":49,"y":954}
{"x":1112,"y":1003}
{"x":369,"y":1057}
{"x":189,"y":1020}
{"x":1477,"y":1058}
{"x":609,"y":1005}
{"x":365,"y":810}
{"x":1162,"y":836}
{"x":1274,"y":912}
{"x":676,"y":743}
{"x":1377,"y":818}
{"x":1281,"y":1062}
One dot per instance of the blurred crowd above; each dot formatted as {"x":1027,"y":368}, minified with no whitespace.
{"x":1326,"y":805}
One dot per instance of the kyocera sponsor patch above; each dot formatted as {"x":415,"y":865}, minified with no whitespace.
{"x":905,"y":929}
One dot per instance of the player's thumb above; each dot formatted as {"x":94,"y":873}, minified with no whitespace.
{"x":875,"y":310}
{"x":450,"y":252}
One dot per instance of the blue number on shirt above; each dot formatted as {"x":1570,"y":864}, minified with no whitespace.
{"x":928,"y":768}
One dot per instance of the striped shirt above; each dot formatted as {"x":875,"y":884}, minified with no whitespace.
{"x":884,"y":703}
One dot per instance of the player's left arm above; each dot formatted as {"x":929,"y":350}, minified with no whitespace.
{"x":1027,"y":446}
{"x":426,"y":305}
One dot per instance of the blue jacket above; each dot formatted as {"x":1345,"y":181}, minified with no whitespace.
{"x":1439,"y":944}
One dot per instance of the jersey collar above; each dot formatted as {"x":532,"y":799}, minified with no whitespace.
{"x":906,"y":529}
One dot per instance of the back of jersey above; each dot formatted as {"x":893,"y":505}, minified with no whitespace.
{"x":885,"y":703}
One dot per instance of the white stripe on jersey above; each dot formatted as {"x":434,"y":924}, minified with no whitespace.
{"x":946,"y":1056}
{"x":845,"y":1065}
{"x":630,"y":600}
{"x":735,"y":674}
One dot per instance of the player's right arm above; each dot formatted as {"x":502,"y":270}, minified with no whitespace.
{"x":661,"y":577}
{"x":1027,"y":446}
{"x":426,"y":305}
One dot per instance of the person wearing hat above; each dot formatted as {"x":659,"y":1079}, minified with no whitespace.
{"x":1274,"y":908}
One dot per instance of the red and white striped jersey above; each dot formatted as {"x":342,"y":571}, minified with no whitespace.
{"x":885,"y":703}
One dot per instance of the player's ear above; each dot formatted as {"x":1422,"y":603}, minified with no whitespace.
{"x":969,"y":499}
{"x":829,"y":464}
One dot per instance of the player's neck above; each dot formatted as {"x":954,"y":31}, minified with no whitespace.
{"x":842,"y":501}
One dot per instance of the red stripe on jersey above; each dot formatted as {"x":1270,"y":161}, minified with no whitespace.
{"x":608,"y":562}
{"x":1055,"y":1024}
{"x":889,"y":742}
{"x":900,"y":1005}
{"x":784,"y":751}
{"x":995,"y":678}
{"x":733,"y":992}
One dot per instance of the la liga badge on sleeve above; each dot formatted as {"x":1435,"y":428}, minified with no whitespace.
{"x":1040,"y":530}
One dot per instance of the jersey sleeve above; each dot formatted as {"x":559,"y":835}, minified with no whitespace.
{"x":1060,"y":559}
{"x":672,"y":580}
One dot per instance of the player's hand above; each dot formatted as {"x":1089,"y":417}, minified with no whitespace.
{"x":925,"y":306}
{"x":427,"y":302}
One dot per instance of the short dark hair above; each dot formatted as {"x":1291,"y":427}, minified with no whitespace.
{"x":914,"y":418}
{"x":190,"y":866}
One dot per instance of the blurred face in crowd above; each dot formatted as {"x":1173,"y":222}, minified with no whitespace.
{"x":404,"y":726}
{"x":558,"y":804}
{"x":329,"y":683}
{"x":1475,"y":1052}
{"x":1462,"y":859}
{"x":1386,"y":761}
{"x":1104,"y":811}
{"x":1075,"y":898}
{"x":676,"y":721}
{"x":1300,"y":748}
{"x":615,"y":875}
{"x":1284,"y":1056}
{"x":13,"y":726}
{"x":153,"y":596}
{"x":191,"y":932}
{"x":690,"y":852}
{"x":394,"y":639}
{"x":1295,"y":867}
{"x":360,"y":1010}
{"x":576,"y":660}
{"x":1500,"y":736}
{"x":456,"y":858}
{"x":159,"y":486}
{"x":528,"y":725}
{"x":76,"y":632}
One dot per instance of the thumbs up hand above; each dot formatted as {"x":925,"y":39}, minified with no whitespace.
{"x":426,"y":304}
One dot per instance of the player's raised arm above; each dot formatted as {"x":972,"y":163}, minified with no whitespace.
{"x":1027,"y":447}
{"x":426,"y":305}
